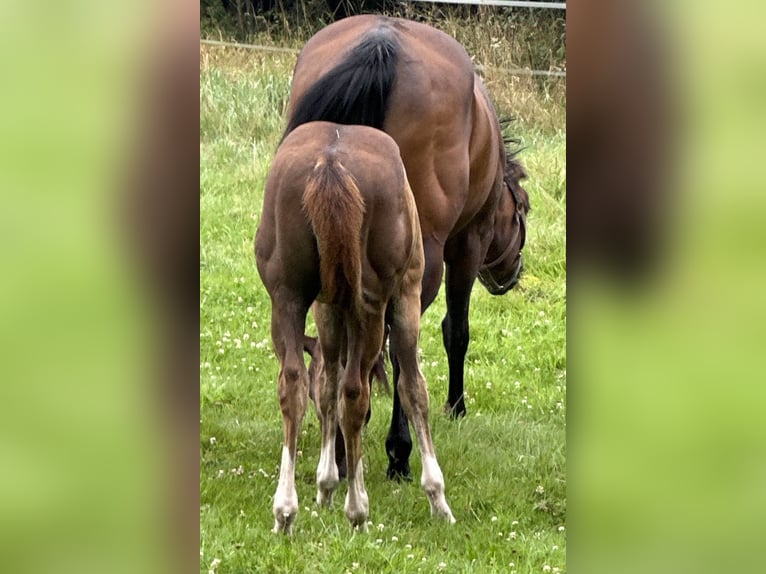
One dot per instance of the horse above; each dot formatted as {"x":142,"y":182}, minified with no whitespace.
{"x":353,"y":251}
{"x":418,"y":85}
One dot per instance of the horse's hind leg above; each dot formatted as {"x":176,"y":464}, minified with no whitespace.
{"x":288,"y":319}
{"x":414,"y":397}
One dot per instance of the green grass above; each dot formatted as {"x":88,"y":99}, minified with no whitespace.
{"x":504,"y":464}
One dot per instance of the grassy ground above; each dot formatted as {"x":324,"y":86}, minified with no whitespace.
{"x":504,"y":464}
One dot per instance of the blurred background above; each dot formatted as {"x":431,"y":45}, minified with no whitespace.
{"x":665,"y":309}
{"x":98,"y":324}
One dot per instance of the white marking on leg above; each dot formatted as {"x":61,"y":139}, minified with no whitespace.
{"x":286,"y":497}
{"x":327,"y":472}
{"x":432,"y":482}
{"x":357,"y":503}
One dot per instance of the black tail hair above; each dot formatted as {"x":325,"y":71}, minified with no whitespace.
{"x":355,"y":91}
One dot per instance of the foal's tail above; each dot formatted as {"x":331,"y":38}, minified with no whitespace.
{"x":334,"y":205}
{"x":355,"y":91}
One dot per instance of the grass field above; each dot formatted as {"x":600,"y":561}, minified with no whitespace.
{"x":504,"y":464}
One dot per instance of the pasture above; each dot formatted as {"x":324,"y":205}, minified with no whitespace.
{"x":504,"y":464}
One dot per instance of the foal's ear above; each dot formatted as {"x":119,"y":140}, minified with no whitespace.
{"x":310,"y":345}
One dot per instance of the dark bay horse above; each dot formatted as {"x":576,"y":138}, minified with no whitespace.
{"x":339,"y":230}
{"x":418,"y":85}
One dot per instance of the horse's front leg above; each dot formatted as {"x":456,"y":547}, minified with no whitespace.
{"x":459,"y":280}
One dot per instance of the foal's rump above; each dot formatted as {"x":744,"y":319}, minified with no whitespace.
{"x":358,"y":217}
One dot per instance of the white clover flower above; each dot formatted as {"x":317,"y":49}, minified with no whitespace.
{"x":513,"y":535}
{"x":213,"y":440}
{"x":514,"y":523}
{"x":408,"y":546}
{"x":493,"y":519}
{"x":314,"y":514}
{"x":561,"y":529}
{"x":442,"y":565}
{"x":546,"y":568}
{"x":381,"y":526}
{"x":410,"y":556}
{"x":394,"y":539}
{"x":539,"y":489}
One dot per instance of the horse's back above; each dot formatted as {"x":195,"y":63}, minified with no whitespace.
{"x":430,"y":112}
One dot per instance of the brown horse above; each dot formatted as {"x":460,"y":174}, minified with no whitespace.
{"x":418,"y":85}
{"x":354,"y":250}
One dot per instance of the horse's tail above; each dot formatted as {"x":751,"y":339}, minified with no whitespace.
{"x":356,"y":90}
{"x":334,"y":205}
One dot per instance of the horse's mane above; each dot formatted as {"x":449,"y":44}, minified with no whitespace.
{"x":513,"y":171}
{"x":355,"y":91}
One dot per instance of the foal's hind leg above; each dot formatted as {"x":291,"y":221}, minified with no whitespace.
{"x":330,"y":335}
{"x":288,"y":319}
{"x":414,"y":397}
{"x":399,"y":441}
{"x":363,"y":348}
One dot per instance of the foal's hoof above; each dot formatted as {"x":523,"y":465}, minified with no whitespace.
{"x":399,"y":472}
{"x":283,"y":522}
{"x":455,"y":412}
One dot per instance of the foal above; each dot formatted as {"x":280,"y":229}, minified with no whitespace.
{"x":340,"y":231}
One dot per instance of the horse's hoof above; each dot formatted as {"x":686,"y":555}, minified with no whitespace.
{"x":342,"y":471}
{"x":399,"y":473}
{"x":455,"y":412}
